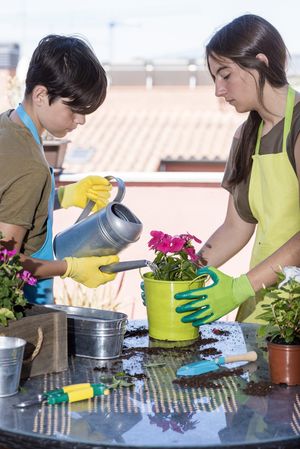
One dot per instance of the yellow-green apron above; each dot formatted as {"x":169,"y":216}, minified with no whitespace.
{"x":274,"y":202}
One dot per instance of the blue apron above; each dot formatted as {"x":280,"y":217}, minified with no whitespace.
{"x":42,"y":292}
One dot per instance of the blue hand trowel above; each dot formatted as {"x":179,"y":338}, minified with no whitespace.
{"x":206,"y":366}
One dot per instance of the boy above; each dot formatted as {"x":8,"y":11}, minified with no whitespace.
{"x":65,"y":81}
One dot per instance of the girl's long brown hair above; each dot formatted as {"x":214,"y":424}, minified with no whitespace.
{"x":241,"y":40}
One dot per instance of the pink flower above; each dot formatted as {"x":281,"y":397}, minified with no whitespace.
{"x":27,"y":278}
{"x":175,"y":256}
{"x":164,"y":244}
{"x":176,"y":244}
{"x":188,"y":237}
{"x":190,"y":251}
{"x":5,"y":255}
{"x":160,"y":241}
{"x":31,"y":280}
{"x":156,"y":238}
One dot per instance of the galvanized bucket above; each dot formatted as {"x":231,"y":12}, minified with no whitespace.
{"x":94,"y":333}
{"x":11,"y":359}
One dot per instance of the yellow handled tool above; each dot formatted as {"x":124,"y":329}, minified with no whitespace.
{"x":69,"y":393}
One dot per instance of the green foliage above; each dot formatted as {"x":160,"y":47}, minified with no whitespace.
{"x":283,"y":312}
{"x":121,"y":379}
{"x":175,"y":267}
{"x":12,"y":300}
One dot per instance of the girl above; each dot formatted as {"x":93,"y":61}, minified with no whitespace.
{"x":247,"y":61}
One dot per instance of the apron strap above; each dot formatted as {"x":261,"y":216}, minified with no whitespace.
{"x":288,"y":116}
{"x":289,"y":109}
{"x":42,"y":292}
{"x":26,"y":119}
{"x":257,"y":146}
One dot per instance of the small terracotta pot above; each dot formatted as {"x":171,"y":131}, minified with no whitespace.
{"x":284,"y":363}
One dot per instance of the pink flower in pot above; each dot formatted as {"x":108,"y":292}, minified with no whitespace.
{"x":176,"y":263}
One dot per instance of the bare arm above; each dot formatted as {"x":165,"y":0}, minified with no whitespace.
{"x":228,"y":239}
{"x":13,"y":239}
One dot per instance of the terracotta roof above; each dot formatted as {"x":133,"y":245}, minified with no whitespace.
{"x":135,"y":128}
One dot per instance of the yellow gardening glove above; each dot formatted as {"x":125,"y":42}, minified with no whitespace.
{"x":85,"y":270}
{"x":93,"y":188}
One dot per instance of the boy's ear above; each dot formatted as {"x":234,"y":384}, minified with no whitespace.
{"x":263,"y":58}
{"x":40,"y":95}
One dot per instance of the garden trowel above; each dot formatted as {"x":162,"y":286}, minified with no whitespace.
{"x":206,"y":366}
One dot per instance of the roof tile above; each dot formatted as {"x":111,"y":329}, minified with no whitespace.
{"x":135,"y":128}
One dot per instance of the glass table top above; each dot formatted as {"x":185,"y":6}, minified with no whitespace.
{"x":150,"y":407}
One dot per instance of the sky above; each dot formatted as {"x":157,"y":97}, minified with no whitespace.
{"x":134,"y":30}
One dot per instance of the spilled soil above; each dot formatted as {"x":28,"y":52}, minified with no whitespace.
{"x":139,"y":356}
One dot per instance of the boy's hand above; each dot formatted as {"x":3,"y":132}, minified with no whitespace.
{"x":78,"y":194}
{"x":85,"y":270}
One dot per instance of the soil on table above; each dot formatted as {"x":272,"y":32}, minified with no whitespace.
{"x":207,"y":380}
{"x":258,"y":388}
{"x":197,"y":348}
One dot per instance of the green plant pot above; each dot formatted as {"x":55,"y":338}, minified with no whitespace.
{"x":163,"y":320}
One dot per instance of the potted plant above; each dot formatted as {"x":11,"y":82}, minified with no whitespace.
{"x":282,"y":314}
{"x":174,"y":269}
{"x":44,"y":329}
{"x":12,"y":280}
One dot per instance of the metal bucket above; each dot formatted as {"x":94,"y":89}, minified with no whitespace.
{"x":105,"y":232}
{"x":94,"y":333}
{"x":11,"y":359}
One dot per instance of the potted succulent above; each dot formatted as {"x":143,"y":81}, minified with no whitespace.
{"x":282,"y":314}
{"x":174,"y":269}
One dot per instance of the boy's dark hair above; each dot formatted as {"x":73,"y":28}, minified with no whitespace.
{"x":241,"y":40}
{"x":68,"y":68}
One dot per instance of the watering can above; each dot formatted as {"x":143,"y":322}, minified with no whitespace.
{"x":102,"y":233}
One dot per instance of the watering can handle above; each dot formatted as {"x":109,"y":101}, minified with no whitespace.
{"x":118,"y":198}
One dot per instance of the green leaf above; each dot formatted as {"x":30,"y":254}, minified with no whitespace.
{"x":114,"y":384}
{"x":124,"y":383}
{"x":6,"y":314}
{"x":120,"y":374}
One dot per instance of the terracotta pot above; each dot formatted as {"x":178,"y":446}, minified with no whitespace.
{"x":164,"y":322}
{"x":284,"y":363}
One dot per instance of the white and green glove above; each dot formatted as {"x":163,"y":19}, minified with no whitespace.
{"x":78,"y":194}
{"x":86,"y":270}
{"x":210,"y":303}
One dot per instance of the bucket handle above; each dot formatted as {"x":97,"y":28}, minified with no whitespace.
{"x":118,"y":198}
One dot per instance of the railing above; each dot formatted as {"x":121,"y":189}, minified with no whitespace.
{"x":171,"y":179}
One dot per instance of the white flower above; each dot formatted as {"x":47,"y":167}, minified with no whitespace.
{"x":290,"y":273}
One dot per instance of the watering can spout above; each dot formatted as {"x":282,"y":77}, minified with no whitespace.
{"x":105,"y":232}
{"x":128,"y":265}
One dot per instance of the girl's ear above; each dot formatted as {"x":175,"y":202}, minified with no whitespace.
{"x":40,"y":95}
{"x":262,"y":57}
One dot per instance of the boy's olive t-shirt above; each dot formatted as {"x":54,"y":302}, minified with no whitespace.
{"x":270,"y":143}
{"x":25,"y":183}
